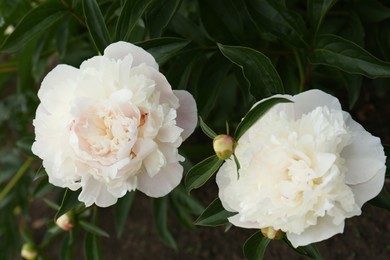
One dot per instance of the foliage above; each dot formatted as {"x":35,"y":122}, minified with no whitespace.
{"x":227,"y":53}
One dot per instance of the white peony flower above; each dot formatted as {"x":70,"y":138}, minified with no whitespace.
{"x":305,"y":167}
{"x":112,"y":126}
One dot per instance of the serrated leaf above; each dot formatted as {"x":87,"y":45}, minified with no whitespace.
{"x":214,"y":215}
{"x":160,"y":220}
{"x":131,"y":12}
{"x":34,"y":22}
{"x":382,"y":200}
{"x":92,"y":228}
{"x":261,"y":75}
{"x":335,"y":51}
{"x":206,"y":129}
{"x":163,"y":49}
{"x":69,"y":202}
{"x":254,"y":248}
{"x":122,"y":210}
{"x":201,"y":172}
{"x":96,"y":26}
{"x":256,"y":113}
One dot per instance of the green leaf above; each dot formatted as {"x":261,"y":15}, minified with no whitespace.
{"x":214,"y":215}
{"x":92,"y":228}
{"x":92,"y":247}
{"x":69,"y":202}
{"x":309,"y":250}
{"x":96,"y":26}
{"x":67,"y":247}
{"x":317,"y":9}
{"x":335,"y":51}
{"x":256,"y":113}
{"x":382,"y":200}
{"x":160,"y":219}
{"x":38,"y":20}
{"x":201,"y":172}
{"x":122,"y":210}
{"x":159,"y":16}
{"x":63,"y":35}
{"x":372,"y":11}
{"x":189,"y":29}
{"x":163,"y":49}
{"x":206,"y":129}
{"x":261,"y":75}
{"x":131,"y":12}
{"x":254,"y":248}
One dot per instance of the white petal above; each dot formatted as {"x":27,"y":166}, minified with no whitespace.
{"x":324,"y":229}
{"x":96,"y":192}
{"x":187,"y":115}
{"x":153,"y":163}
{"x":235,"y":220}
{"x":364,"y":157}
{"x":163,"y":182}
{"x":365,"y":191}
{"x":119,"y":50}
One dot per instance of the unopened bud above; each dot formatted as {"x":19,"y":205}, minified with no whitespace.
{"x":29,"y":251}
{"x":66,"y":221}
{"x":224,"y":146}
{"x":271,"y":233}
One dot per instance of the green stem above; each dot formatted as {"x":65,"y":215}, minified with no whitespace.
{"x":16,"y":178}
{"x":300,"y":71}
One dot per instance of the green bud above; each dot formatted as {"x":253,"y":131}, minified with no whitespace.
{"x":224,"y":146}
{"x":29,"y":251}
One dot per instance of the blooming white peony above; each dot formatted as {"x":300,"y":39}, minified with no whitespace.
{"x":112,"y":126}
{"x":305,"y":167}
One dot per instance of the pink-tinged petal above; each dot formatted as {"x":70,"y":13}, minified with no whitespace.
{"x":236,"y":220}
{"x":364,"y":156}
{"x":163,"y":182}
{"x":324,"y":229}
{"x":119,"y":50}
{"x":94,"y":191}
{"x":363,"y":192}
{"x":187,"y":114}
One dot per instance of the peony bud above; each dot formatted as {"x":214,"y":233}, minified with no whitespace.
{"x":29,"y":251}
{"x":271,"y":233}
{"x":66,"y":221}
{"x":224,"y":146}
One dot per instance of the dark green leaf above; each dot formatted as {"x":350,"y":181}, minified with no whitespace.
{"x":92,"y":228}
{"x":373,"y":11}
{"x":62,"y":36}
{"x":345,"y":55}
{"x":160,"y":219}
{"x":255,"y":114}
{"x":34,"y":22}
{"x":309,"y":250}
{"x":214,"y":215}
{"x":52,"y":204}
{"x":274,"y":17}
{"x":92,"y":250}
{"x":317,"y":10}
{"x":189,"y":30}
{"x":201,"y":172}
{"x":180,"y":195}
{"x":131,"y":12}
{"x":69,"y":202}
{"x":262,"y":77}
{"x":66,"y":252}
{"x":254,"y":248}
{"x":96,"y":26}
{"x":382,"y":200}
{"x":159,"y":16}
{"x":163,"y":49}
{"x":182,"y":213}
{"x":122,"y":209}
{"x":206,"y":129}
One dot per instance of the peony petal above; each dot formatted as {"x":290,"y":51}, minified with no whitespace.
{"x":187,"y":114}
{"x":368,"y":190}
{"x":163,"y":182}
{"x":364,"y":156}
{"x":94,"y":191}
{"x":324,"y":229}
{"x":235,"y":220}
{"x":119,"y":50}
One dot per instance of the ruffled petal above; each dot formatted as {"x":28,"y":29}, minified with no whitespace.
{"x":187,"y":114}
{"x":236,"y":220}
{"x":163,"y":182}
{"x":119,"y":50}
{"x":94,"y":191}
{"x":324,"y":229}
